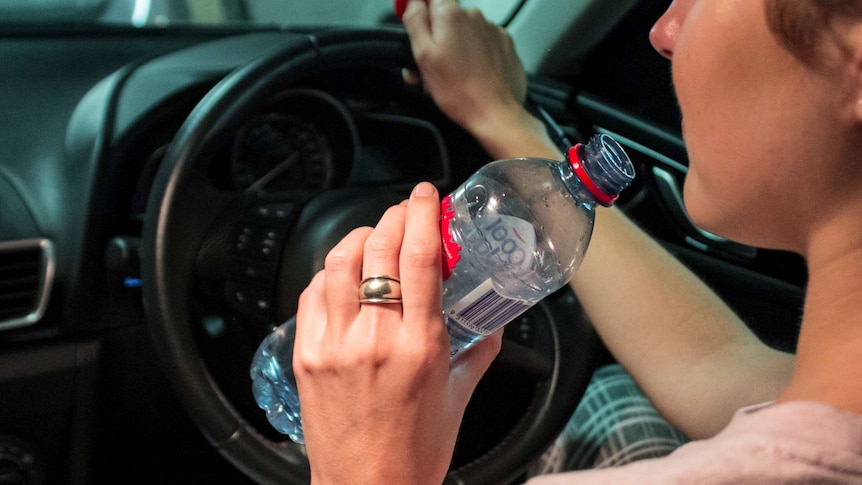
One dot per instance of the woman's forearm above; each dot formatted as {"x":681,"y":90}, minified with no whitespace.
{"x":683,"y":345}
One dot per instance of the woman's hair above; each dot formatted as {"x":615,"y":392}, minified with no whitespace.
{"x":799,"y":24}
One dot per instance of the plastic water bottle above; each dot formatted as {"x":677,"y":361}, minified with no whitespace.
{"x":513,"y":233}
{"x":517,"y":230}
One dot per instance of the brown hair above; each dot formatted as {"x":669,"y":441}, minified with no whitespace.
{"x":799,"y":24}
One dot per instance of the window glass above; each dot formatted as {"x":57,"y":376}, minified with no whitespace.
{"x":164,"y":13}
{"x":367,"y":12}
{"x":498,"y":11}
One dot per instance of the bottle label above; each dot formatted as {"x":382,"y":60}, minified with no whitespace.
{"x":508,"y":241}
{"x":451,"y":249}
{"x":484,"y":310}
{"x":502,"y":247}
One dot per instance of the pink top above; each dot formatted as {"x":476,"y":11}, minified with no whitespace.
{"x":787,"y":443}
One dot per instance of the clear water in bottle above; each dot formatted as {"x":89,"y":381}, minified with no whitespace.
{"x":273,"y":383}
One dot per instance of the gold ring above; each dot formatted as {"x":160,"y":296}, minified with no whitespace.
{"x":380,"y":289}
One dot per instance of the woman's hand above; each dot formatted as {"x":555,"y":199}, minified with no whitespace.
{"x":468,"y":64}
{"x":380,"y":402}
{"x":470,"y":68}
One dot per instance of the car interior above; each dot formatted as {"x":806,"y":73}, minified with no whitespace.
{"x":172,"y":175}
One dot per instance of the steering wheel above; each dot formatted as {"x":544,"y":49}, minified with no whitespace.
{"x":187,"y":232}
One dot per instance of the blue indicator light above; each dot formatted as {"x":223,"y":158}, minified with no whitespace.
{"x":130,"y":282}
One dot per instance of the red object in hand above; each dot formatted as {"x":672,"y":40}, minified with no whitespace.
{"x":400,"y":7}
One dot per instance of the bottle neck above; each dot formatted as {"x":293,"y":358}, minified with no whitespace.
{"x":602,"y":167}
{"x":583,"y":175}
{"x":576,"y":187}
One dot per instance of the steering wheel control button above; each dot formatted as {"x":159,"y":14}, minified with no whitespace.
{"x":259,"y":273}
{"x":268,"y":244}
{"x":249,"y":299}
{"x":257,"y":241}
{"x":274,"y":212}
{"x":242,"y":239}
{"x":20,"y":463}
{"x":523,"y":330}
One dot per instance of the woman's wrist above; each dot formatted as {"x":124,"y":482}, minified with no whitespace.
{"x":511,"y":132}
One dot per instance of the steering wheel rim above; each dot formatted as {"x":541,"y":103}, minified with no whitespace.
{"x":173,"y":232}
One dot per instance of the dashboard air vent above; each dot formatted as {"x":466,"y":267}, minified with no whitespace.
{"x":26,"y":272}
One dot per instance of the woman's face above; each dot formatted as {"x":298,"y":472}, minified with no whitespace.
{"x":754,"y":121}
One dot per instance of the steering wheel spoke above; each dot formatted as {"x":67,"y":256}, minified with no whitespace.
{"x":517,"y":358}
{"x":242,"y":251}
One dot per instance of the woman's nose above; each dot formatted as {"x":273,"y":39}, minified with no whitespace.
{"x":666,"y":29}
{"x":658,"y":39}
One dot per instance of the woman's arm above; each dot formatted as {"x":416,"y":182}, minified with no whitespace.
{"x":695,"y":359}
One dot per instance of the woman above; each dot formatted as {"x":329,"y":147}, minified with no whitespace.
{"x":380,"y":401}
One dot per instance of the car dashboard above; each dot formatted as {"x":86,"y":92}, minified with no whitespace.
{"x":89,"y":116}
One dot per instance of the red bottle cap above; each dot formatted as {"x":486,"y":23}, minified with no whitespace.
{"x":601,"y":196}
{"x":400,"y":7}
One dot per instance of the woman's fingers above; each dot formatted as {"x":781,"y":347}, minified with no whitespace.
{"x":343,"y":267}
{"x":417,"y":23}
{"x":471,"y":364}
{"x":405,"y":246}
{"x":311,"y":314}
{"x":311,"y":326}
{"x":420,"y":259}
{"x":383,"y":245}
{"x":380,"y":273}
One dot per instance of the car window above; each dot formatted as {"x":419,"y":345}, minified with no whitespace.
{"x":165,"y":13}
{"x":349,"y":12}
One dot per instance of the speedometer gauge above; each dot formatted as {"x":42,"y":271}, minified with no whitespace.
{"x":305,"y":141}
{"x":281,"y":152}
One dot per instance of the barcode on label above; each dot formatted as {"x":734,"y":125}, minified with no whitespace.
{"x":489,"y":312}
